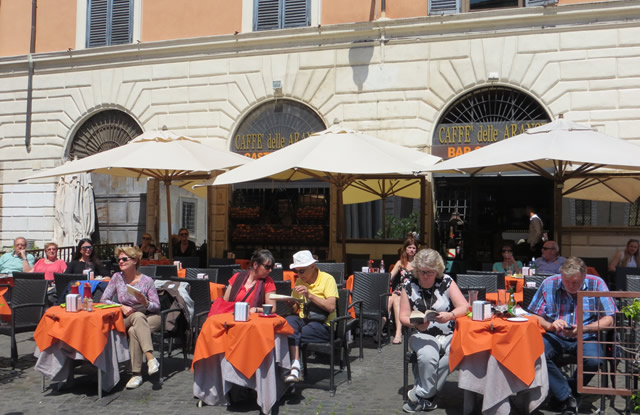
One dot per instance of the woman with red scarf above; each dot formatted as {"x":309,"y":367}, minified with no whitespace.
{"x":255,"y":285}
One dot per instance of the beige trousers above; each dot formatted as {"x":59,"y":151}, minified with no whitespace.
{"x":139,"y":328}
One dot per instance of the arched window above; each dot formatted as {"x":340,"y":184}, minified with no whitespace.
{"x":103,"y":131}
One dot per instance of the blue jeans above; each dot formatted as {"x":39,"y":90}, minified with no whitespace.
{"x":554,"y":347}
{"x":310,"y":332}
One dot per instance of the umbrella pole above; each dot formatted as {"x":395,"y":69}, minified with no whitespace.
{"x":557,"y":212}
{"x":167,"y":185}
{"x":342,"y":226}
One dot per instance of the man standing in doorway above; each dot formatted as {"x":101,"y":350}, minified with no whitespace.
{"x":534,"y":238}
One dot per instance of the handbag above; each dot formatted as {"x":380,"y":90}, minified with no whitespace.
{"x":221,"y":306}
{"x":315,"y":313}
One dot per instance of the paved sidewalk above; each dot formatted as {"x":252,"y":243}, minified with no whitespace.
{"x":376,"y":389}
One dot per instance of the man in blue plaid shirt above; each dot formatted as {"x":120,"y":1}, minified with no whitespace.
{"x":555,"y":304}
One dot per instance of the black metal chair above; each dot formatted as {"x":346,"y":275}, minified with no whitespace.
{"x":62,"y":282}
{"x":148,"y":270}
{"x":335,"y":269}
{"x":199,"y":292}
{"x":192,"y":273}
{"x":499,"y":276}
{"x":489,"y":281}
{"x":337,"y":342}
{"x":165,"y":272}
{"x":28,"y":301}
{"x":29,"y":275}
{"x":188,"y":261}
{"x":283,"y":308}
{"x":372,"y":289}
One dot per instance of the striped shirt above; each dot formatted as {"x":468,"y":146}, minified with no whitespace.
{"x":553,"y":302}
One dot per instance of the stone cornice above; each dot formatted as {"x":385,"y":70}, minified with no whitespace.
{"x":505,"y":22}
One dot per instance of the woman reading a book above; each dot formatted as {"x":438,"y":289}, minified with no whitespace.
{"x":138,"y":299}
{"x":255,"y":285}
{"x":429,"y":304}
{"x":399,"y":274}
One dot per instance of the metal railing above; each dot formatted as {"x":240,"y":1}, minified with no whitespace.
{"x":103,"y":251}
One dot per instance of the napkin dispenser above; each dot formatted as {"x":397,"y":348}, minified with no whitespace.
{"x":71,"y":302}
{"x":480,"y":310}
{"x":241,"y":312}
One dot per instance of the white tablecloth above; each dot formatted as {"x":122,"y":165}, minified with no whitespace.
{"x":213,"y":377}
{"x":481,"y":373}
{"x":56,"y":362}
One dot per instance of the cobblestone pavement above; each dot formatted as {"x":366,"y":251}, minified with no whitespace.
{"x":376,"y":389}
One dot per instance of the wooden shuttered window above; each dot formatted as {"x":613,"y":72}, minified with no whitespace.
{"x":109,"y":22}
{"x":444,"y":6}
{"x":280,"y":14}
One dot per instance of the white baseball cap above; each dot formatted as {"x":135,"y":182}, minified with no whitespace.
{"x":302,"y":259}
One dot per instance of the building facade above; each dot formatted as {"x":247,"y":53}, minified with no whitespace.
{"x":202,"y":67}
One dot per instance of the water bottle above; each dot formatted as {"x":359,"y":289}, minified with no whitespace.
{"x":511,"y":304}
{"x":382,"y":265}
{"x":532,"y":267}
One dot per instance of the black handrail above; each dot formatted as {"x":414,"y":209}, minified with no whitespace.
{"x":103,"y":251}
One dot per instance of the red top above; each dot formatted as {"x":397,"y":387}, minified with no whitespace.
{"x":269,"y":286}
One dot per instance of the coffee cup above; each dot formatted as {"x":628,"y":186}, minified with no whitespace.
{"x":267,"y":309}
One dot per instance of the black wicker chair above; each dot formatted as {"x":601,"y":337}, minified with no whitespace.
{"x":165,"y":272}
{"x":192,"y":273}
{"x":337,"y":342}
{"x":335,"y":269}
{"x":482,"y":292}
{"x":199,"y":292}
{"x":499,"y":276}
{"x":28,"y":301}
{"x":188,"y":261}
{"x":372,"y":289}
{"x":537,"y":279}
{"x":276,"y":274}
{"x":283,"y":308}
{"x":225,"y":273}
{"x":29,"y":275}
{"x":62,"y":282}
{"x":148,"y":270}
{"x":489,"y":281}
{"x":214,"y":262}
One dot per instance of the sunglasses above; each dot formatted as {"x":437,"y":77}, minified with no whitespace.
{"x":507,"y":250}
{"x":183,"y":234}
{"x":146,"y":238}
{"x":301,"y":271}
{"x":268,"y":267}
{"x":86,"y":248}
{"x":51,"y":249}
{"x":124,"y":259}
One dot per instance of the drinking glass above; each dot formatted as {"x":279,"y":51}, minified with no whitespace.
{"x":502,"y":301}
{"x":473,"y":296}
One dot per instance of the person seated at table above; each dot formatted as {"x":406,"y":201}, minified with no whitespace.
{"x":428,"y":288}
{"x":184,"y":247}
{"x":17,"y":260}
{"x":145,"y":246}
{"x":508,"y":263}
{"x":255,"y":285}
{"x":51,"y":263}
{"x":555,"y":303}
{"x":550,"y":261}
{"x":141,"y":310}
{"x":399,"y":273}
{"x":319,"y":292}
{"x":630,"y":257}
{"x":152,"y":252}
{"x":85,"y":257}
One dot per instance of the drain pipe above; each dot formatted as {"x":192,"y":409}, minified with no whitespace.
{"x":383,"y":8}
{"x":32,"y":50}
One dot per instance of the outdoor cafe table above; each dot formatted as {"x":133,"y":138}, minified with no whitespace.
{"x":98,"y":336}
{"x":247,"y":353}
{"x":497,"y":359}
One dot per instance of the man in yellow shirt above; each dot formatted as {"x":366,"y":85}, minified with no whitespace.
{"x":319,"y":292}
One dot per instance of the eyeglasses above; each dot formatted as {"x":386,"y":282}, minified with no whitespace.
{"x":429,"y":272}
{"x":546,"y":248}
{"x":507,"y":250}
{"x":146,"y":238}
{"x":268,"y":267}
{"x":123,"y":259}
{"x":301,"y":271}
{"x":86,"y":248}
{"x":183,"y":234}
{"x":51,"y":249}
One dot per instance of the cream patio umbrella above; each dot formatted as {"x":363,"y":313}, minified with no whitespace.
{"x":337,"y":155}
{"x":161,"y":155}
{"x":560,"y":150}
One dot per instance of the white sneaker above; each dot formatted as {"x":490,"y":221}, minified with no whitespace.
{"x":294,"y":376}
{"x":153,"y":366}
{"x":134,"y":382}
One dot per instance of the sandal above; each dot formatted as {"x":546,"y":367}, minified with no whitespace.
{"x":397,"y":340}
{"x":293,"y":376}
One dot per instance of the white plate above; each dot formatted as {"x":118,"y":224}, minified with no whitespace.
{"x":518,"y":319}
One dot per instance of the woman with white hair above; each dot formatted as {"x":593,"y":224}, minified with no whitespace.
{"x":428,"y":288}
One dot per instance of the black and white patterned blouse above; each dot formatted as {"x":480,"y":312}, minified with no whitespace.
{"x":434,"y":298}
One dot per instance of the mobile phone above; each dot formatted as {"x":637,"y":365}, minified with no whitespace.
{"x":569,"y":327}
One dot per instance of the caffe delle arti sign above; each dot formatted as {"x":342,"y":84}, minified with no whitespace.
{"x":452,"y":140}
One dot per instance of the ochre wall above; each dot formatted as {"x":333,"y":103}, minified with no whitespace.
{"x":55,"y":26}
{"x":341,"y":11}
{"x":398,"y":9}
{"x":170,"y":19}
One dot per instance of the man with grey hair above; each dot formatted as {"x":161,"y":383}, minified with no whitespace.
{"x":555,"y":304}
{"x":17,"y":260}
{"x":550,"y":261}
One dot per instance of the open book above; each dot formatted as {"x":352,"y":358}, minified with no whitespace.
{"x":132,"y":290}
{"x":280,"y":297}
{"x":418,"y":317}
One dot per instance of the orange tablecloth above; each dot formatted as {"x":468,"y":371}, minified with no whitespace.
{"x":5,"y":310}
{"x":84,"y":331}
{"x":493,"y":297}
{"x":155,"y":262}
{"x":516,"y":346}
{"x":216,"y":290}
{"x":244,"y":344}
